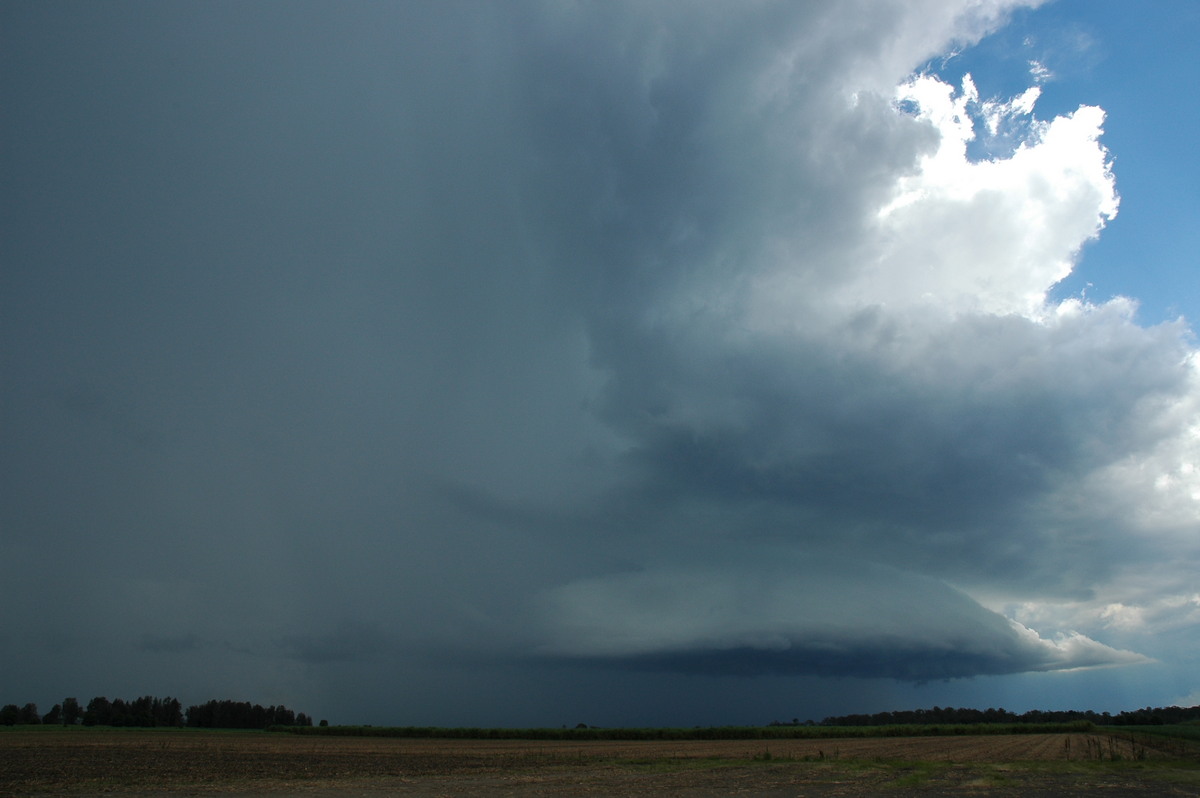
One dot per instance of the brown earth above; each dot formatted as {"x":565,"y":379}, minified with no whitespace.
{"x":81,"y":762}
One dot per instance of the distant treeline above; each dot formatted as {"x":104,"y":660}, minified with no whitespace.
{"x":772,"y":732}
{"x":149,"y":711}
{"x":1150,"y":716}
{"x":242,"y":715}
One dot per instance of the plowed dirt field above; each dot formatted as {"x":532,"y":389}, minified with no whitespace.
{"x":171,"y":762}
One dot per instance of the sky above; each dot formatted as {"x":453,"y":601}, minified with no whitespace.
{"x":538,"y":363}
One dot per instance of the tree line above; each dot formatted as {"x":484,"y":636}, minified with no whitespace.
{"x":149,"y":711}
{"x":243,"y":715}
{"x":1150,"y":716}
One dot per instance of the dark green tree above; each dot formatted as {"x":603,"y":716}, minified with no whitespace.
{"x":54,"y":716}
{"x":98,"y":712}
{"x":72,"y":713}
{"x":239,"y":715}
{"x":119,"y":714}
{"x":170,"y":712}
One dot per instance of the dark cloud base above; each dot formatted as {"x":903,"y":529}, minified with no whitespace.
{"x":900,"y":663}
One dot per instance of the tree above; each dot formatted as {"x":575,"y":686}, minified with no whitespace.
{"x":98,"y":713}
{"x":72,"y":713}
{"x":171,"y":712}
{"x":240,"y":715}
{"x":120,"y":713}
{"x":9,"y":715}
{"x":54,"y":716}
{"x":29,"y":715}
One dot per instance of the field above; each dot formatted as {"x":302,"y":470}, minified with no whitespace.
{"x":78,"y":762}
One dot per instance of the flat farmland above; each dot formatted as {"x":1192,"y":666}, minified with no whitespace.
{"x":83,"y":762}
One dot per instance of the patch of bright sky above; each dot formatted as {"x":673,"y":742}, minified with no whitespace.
{"x":1137,"y":61}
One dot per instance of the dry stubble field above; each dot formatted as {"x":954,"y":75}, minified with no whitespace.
{"x":81,"y":762}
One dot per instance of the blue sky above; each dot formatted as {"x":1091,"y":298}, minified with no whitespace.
{"x":620,"y":363}
{"x":1137,"y":62}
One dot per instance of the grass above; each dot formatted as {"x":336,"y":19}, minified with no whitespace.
{"x":108,"y":759}
{"x":1180,"y":731}
{"x":916,"y":774}
{"x":54,"y":728}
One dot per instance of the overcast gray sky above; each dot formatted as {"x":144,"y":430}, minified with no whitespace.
{"x":539,"y":363}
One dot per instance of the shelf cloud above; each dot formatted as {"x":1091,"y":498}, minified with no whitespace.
{"x":823,"y":617}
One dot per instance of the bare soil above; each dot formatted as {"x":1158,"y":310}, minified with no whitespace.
{"x":86,"y":762}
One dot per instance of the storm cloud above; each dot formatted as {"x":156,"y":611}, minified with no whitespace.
{"x":347,"y":346}
{"x":821,"y":616}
